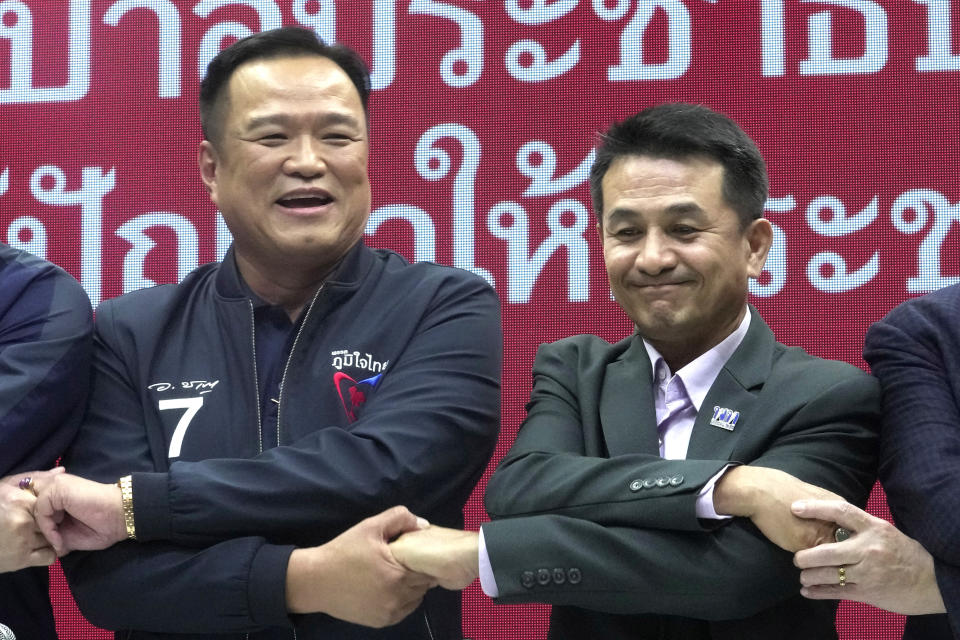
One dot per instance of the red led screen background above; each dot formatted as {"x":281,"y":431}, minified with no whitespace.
{"x":483,"y":117}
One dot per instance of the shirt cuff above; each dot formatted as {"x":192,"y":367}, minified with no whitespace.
{"x":705,"y":507}
{"x":487,"y":582}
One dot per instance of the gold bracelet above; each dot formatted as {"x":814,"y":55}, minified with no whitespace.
{"x":126,"y":491}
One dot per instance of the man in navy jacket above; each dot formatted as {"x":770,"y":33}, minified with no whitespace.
{"x":256,"y":411}
{"x":914,"y":570}
{"x":45,"y":331}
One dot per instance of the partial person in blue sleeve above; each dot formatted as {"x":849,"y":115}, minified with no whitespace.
{"x":45,"y":338}
{"x":915,"y":352}
{"x":243,"y":421}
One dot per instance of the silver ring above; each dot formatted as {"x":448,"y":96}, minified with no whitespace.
{"x":840,"y":534}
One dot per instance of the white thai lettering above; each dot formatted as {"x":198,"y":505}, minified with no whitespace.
{"x":268,"y":15}
{"x":462,"y":66}
{"x":28,"y":234}
{"x":19,"y":31}
{"x":923,"y":202}
{"x":632,"y":65}
{"x":821,"y":61}
{"x":509,"y":221}
{"x":424,"y":233}
{"x":838,"y":223}
{"x":323,"y":20}
{"x":96,"y":183}
{"x":133,"y":231}
{"x":539,"y":69}
{"x":433,"y":163}
{"x":940,"y":56}
{"x":538,"y":161}
{"x":168,"y":24}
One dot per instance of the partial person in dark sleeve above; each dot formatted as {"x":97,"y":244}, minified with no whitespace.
{"x":45,"y":339}
{"x":915,"y":568}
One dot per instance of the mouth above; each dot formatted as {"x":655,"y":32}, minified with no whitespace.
{"x":305,"y":201}
{"x":657,"y":289}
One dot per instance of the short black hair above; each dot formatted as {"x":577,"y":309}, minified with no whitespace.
{"x":275,"y":43}
{"x":677,"y":131}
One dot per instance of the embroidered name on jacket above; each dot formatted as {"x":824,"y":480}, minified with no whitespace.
{"x":346,"y":358}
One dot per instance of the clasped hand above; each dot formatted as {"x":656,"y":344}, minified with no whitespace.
{"x":23,"y":543}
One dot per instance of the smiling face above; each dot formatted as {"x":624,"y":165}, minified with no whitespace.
{"x":290,"y":172}
{"x":676,"y":256}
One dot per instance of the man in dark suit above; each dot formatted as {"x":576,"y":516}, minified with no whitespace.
{"x":648,"y":492}
{"x":913,"y":352}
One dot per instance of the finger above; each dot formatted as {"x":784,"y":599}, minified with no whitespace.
{"x":826,"y":576}
{"x":46,"y":518}
{"x":831,"y":554}
{"x":395,"y":521}
{"x":843,"y":513}
{"x":832,"y":592}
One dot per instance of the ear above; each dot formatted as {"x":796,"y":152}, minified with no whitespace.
{"x":207,"y":162}
{"x":758,"y":238}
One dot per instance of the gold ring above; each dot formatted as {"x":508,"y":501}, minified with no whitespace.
{"x":842,"y":572}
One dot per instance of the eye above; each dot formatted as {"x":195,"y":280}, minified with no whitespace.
{"x":683,"y":230}
{"x":338,"y":138}
{"x":626,"y":233}
{"x":272,"y":139}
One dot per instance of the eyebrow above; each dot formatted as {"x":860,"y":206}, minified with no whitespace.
{"x":327,"y":119}
{"x":676,"y":210}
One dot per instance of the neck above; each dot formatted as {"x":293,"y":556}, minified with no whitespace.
{"x":288,"y":286}
{"x":680,"y":353}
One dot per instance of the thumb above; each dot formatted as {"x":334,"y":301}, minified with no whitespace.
{"x":397,"y":520}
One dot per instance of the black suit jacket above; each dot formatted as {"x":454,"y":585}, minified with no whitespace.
{"x":609,"y":533}
{"x":915,"y":352}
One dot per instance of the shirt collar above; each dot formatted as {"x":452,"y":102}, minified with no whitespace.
{"x":698,"y":376}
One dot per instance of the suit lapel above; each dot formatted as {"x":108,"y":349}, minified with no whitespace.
{"x":735,"y":388}
{"x":627,"y":412}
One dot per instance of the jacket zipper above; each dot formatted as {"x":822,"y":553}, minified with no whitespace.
{"x":286,"y":366}
{"x":256,"y":381}
{"x":427,"y":621}
{"x":293,"y":349}
{"x":256,"y":388}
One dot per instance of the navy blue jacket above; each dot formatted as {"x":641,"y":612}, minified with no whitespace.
{"x":915,"y":352}
{"x":45,"y":337}
{"x":390,"y":396}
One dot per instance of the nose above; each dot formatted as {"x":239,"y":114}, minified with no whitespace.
{"x":656,"y":253}
{"x":305,"y":160}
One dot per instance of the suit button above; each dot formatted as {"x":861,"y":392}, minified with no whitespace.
{"x":649,"y":483}
{"x":527,"y":579}
{"x":662,"y":482}
{"x":543,"y":577}
{"x":559,"y":577}
{"x":676,"y":481}
{"x":636,"y":485}
{"x":574,"y":576}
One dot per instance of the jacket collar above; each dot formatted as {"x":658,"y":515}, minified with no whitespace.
{"x":348,"y":274}
{"x":628,"y":413}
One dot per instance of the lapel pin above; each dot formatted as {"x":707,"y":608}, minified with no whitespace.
{"x":724,"y":418}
